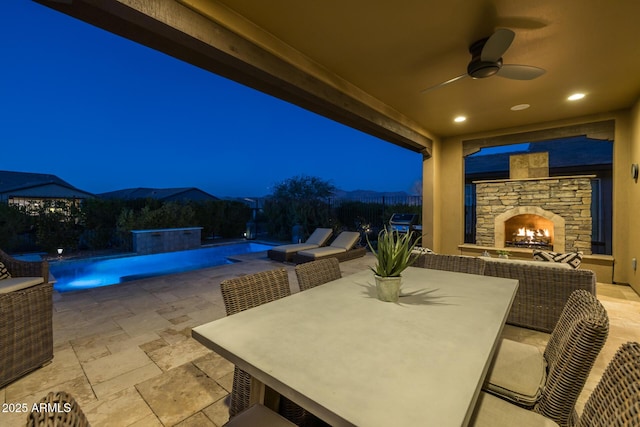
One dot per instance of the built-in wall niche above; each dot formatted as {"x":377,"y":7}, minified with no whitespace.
{"x":529,"y":231}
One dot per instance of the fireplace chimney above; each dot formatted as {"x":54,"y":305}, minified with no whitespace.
{"x":532,"y":165}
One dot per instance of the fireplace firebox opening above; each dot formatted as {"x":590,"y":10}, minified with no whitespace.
{"x":529,"y":231}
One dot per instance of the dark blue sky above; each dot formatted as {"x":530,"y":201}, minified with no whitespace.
{"x":105,"y":113}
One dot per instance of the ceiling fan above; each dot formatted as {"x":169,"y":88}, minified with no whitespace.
{"x":486,"y":61}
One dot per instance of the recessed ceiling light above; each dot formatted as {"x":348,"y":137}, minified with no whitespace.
{"x":576,"y":96}
{"x":460,"y":119}
{"x":520,"y":107}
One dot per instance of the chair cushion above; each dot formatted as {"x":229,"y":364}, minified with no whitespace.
{"x":492,"y":411}
{"x":518,"y":372}
{"x":18,"y":283}
{"x":574,"y":259}
{"x":345,"y":240}
{"x":258,"y":415}
{"x":4,"y":273}
{"x":319,"y":236}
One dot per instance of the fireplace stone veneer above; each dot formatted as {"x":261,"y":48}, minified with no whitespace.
{"x":565,"y":201}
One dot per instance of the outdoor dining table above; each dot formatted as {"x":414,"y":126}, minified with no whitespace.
{"x":353,"y":360}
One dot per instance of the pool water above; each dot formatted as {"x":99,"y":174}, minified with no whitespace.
{"x":95,"y":272}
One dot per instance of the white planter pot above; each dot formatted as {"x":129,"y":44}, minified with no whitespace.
{"x":388,"y":288}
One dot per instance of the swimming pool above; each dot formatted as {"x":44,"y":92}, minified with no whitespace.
{"x":95,"y":272}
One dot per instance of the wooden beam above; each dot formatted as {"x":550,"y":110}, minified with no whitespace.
{"x":172,"y":28}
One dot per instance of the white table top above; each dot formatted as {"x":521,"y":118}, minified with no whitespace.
{"x":354,"y":360}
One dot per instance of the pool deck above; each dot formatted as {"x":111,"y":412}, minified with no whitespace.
{"x":126,"y":354}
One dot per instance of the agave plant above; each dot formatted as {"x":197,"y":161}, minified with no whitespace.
{"x":394,"y":252}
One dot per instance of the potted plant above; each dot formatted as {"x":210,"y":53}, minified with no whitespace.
{"x":503,"y":254}
{"x":394,"y":255}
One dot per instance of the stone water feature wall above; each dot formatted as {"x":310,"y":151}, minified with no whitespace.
{"x":166,"y":240}
{"x":564,"y":200}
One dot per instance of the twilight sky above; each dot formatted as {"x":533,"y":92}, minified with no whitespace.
{"x":104,"y":113}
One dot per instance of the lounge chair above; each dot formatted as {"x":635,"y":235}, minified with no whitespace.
{"x":283,"y":253}
{"x":343,"y":248}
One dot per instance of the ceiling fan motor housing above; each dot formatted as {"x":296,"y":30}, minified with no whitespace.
{"x":480,"y":69}
{"x":477,"y":68}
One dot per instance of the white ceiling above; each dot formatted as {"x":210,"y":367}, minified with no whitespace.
{"x":394,"y":49}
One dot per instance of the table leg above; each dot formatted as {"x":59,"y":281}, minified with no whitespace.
{"x":264,"y":395}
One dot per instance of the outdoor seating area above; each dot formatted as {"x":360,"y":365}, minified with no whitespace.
{"x":118,"y":351}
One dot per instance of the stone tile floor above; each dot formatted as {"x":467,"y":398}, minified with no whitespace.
{"x":126,"y":354}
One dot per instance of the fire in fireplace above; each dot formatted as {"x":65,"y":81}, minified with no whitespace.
{"x":528,"y":231}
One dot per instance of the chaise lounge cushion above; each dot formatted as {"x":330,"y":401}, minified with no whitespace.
{"x":344,"y":242}
{"x":18,"y":283}
{"x":317,"y":239}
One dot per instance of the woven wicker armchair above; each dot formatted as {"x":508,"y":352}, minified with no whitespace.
{"x":243,"y":293}
{"x":569,"y":356}
{"x":314,"y":273}
{"x":26,"y":321}
{"x":62,"y":410}
{"x":455,"y":263}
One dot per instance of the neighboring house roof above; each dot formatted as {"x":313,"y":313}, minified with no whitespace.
{"x":563,"y":153}
{"x":37,"y":185}
{"x":165,"y":194}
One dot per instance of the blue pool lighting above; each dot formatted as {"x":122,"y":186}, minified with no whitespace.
{"x":89,"y":273}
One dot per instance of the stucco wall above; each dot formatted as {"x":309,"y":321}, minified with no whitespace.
{"x":631,"y":192}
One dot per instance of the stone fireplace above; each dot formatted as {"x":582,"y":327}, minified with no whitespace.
{"x":547,"y":213}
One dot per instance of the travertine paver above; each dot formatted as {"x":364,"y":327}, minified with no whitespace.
{"x":126,"y":354}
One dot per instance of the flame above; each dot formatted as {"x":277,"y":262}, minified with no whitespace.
{"x":524,"y":232}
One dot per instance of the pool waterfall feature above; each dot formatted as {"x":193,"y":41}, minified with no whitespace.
{"x":166,"y":240}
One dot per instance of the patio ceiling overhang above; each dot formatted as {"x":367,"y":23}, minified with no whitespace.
{"x":189,"y":31}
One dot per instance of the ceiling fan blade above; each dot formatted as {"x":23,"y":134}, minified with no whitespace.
{"x":455,"y":79}
{"x":497,"y":45}
{"x":520,"y":72}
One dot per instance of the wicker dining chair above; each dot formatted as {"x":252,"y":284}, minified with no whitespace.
{"x":550,"y":383}
{"x":455,"y":263}
{"x":243,"y":293}
{"x":57,"y":409}
{"x":314,"y":273}
{"x":615,"y":402}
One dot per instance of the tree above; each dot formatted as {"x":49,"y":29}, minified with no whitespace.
{"x":301,"y":200}
{"x":14,"y":222}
